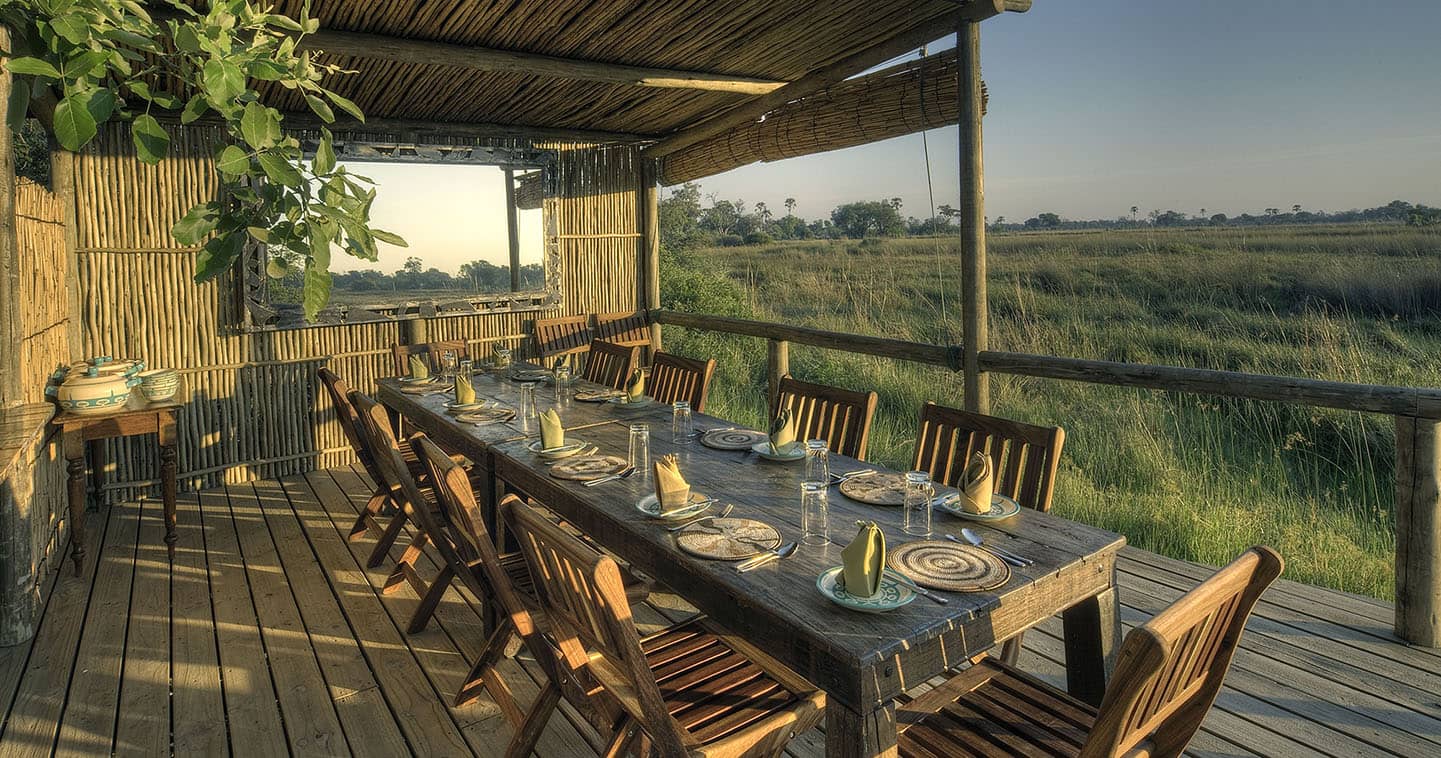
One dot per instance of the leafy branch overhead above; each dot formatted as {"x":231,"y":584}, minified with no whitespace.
{"x":78,"y":64}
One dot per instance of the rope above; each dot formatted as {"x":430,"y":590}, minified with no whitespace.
{"x":930,"y":186}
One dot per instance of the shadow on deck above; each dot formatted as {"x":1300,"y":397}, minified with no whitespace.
{"x":268,"y":636}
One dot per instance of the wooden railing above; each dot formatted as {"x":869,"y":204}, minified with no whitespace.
{"x":1416,"y":412}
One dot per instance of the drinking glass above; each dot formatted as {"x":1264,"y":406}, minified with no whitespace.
{"x":639,"y":457}
{"x":916,"y":516}
{"x":447,"y":362}
{"x":528,"y":412}
{"x":467,"y":367}
{"x":562,"y":384}
{"x":818,"y":466}
{"x":680,"y":423}
{"x":815,"y":514}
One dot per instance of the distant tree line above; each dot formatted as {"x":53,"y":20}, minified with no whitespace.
{"x":474,"y":277}
{"x":689,"y":219}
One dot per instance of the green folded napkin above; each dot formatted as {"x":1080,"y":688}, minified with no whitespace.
{"x":864,"y":560}
{"x":418,"y":369}
{"x":552,"y":433}
{"x":976,"y":486}
{"x":500,"y":357}
{"x":464,"y":390}
{"x":783,"y":432}
{"x":671,"y":489}
{"x":635,"y":388}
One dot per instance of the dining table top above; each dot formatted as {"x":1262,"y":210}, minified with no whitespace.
{"x":861,"y":658}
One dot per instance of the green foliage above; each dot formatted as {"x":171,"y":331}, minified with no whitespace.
{"x":877,"y":217}
{"x":32,"y":152}
{"x":101,"y":60}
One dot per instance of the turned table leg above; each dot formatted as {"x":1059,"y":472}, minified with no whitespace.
{"x":168,"y":455}
{"x":74,"y":446}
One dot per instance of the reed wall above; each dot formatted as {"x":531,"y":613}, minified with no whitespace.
{"x":43,"y":309}
{"x":255,"y":408}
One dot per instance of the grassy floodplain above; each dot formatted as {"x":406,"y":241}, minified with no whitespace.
{"x":1192,"y":477}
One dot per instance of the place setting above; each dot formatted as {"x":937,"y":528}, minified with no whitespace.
{"x":420,"y":381}
{"x":633,"y":398}
{"x":465,"y":400}
{"x":553,"y":444}
{"x":976,"y":499}
{"x":673,"y":499}
{"x":781,"y":444}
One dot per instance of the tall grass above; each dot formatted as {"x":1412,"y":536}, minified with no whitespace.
{"x":1192,"y":477}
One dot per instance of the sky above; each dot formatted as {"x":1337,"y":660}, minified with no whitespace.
{"x":1099,"y":105}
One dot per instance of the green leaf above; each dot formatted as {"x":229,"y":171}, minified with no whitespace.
{"x":151,"y":140}
{"x":73,"y":124}
{"x":233,"y":162}
{"x":196,"y":224}
{"x":32,"y":67}
{"x":127,"y":37}
{"x":218,"y":255}
{"x":389,"y":237}
{"x":19,"y":106}
{"x":223,"y":81}
{"x":277,"y":268}
{"x":259,"y":234}
{"x":101,"y":104}
{"x":73,"y":27}
{"x":186,"y":40}
{"x":280,"y":170}
{"x":267,"y":70}
{"x":324,"y":161}
{"x":194,"y":109}
{"x":321,"y":109}
{"x":284,"y":22}
{"x":315,"y":292}
{"x":258,"y":125}
{"x":84,"y":64}
{"x":346,"y":106}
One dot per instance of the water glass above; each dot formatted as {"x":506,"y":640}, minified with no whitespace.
{"x":818,"y":466}
{"x":639,"y":457}
{"x":467,"y":367}
{"x":916,"y":516}
{"x":529,"y":412}
{"x":815,"y":514}
{"x":561,"y":381}
{"x":447,"y":362}
{"x":680,"y":423}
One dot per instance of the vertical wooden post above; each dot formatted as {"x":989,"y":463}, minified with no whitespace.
{"x":62,"y":181}
{"x":650,"y":228}
{"x":1418,"y":530}
{"x":973,"y":220}
{"x":778,"y":364}
{"x":512,"y":230}
{"x":11,"y":392}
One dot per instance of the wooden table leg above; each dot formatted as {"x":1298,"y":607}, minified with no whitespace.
{"x":95,"y":451}
{"x":854,"y":735}
{"x":1092,"y":630}
{"x":167,"y":480}
{"x":74,"y":445}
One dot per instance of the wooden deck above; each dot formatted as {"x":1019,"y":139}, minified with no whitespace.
{"x":268,"y":636}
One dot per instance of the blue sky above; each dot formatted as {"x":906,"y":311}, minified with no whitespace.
{"x":1098,"y":105}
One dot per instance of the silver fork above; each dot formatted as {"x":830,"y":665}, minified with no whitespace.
{"x":724,"y":512}
{"x":622,"y":475}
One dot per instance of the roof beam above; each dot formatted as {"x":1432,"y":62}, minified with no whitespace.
{"x":814,"y":82}
{"x":403,"y":130}
{"x":400,"y":50}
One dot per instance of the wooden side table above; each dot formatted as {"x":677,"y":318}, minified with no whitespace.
{"x":139,"y":417}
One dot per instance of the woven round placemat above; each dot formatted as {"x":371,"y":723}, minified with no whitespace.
{"x":486,"y":416}
{"x":728,"y":539}
{"x":731,"y":439}
{"x":583,"y":468}
{"x":595,"y":396}
{"x":943,"y":565}
{"x":876,"y":489}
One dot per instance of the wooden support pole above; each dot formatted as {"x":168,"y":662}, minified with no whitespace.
{"x":973,"y":219}
{"x":62,"y":182}
{"x":1418,"y":530}
{"x":512,"y":230}
{"x":650,"y":228}
{"x":11,"y":333}
{"x":778,"y":364}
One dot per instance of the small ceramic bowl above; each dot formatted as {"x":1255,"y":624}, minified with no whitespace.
{"x":159,"y":384}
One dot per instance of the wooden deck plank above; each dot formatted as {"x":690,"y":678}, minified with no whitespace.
{"x":14,"y":657}
{"x":196,"y":699}
{"x":32,"y":723}
{"x":311,"y":724}
{"x":368,"y":722}
{"x":143,"y":726}
{"x":88,"y":723}
{"x":251,"y":708}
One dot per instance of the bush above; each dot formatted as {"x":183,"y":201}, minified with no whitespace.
{"x":730,"y":240}
{"x":758,"y":238}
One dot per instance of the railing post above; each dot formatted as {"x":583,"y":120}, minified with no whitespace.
{"x":650,"y":228}
{"x":778,"y":364}
{"x":976,"y":389}
{"x":1418,"y":530}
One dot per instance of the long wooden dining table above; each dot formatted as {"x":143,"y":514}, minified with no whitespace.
{"x":862,"y":661}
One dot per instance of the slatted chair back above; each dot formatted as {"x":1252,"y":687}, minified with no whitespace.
{"x":562,"y":336}
{"x":1169,"y":671}
{"x":1023,"y":456}
{"x":840,"y":417}
{"x":611,"y":364}
{"x":584,"y":599}
{"x":390,"y":462}
{"x":339,"y":391}
{"x":625,"y":328}
{"x":429,"y":351}
{"x":673,"y":378}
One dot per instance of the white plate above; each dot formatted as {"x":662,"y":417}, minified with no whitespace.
{"x":625,"y":403}
{"x":1002,"y":507}
{"x":892,"y":595}
{"x":796,"y":452}
{"x":571,"y":447}
{"x":650,"y":506}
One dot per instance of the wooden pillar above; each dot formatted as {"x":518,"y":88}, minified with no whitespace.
{"x":973,"y":219}
{"x":1418,"y":530}
{"x":62,"y":182}
{"x":650,"y":230}
{"x":512,"y":230}
{"x":778,"y":364}
{"x":11,"y":391}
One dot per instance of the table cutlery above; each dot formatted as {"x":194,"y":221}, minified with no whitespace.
{"x":784,"y":551}
{"x":622,"y":475}
{"x":918,"y":589}
{"x":725,"y":512}
{"x":849,"y":475}
{"x":1005,"y":555}
{"x":590,"y":451}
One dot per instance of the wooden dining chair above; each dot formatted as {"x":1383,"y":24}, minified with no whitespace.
{"x":690,"y":689}
{"x":611,"y":364}
{"x":429,"y":351}
{"x":673,"y":378}
{"x":1168,"y":673}
{"x":623,"y":328}
{"x":840,"y":417}
{"x":565,"y":335}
